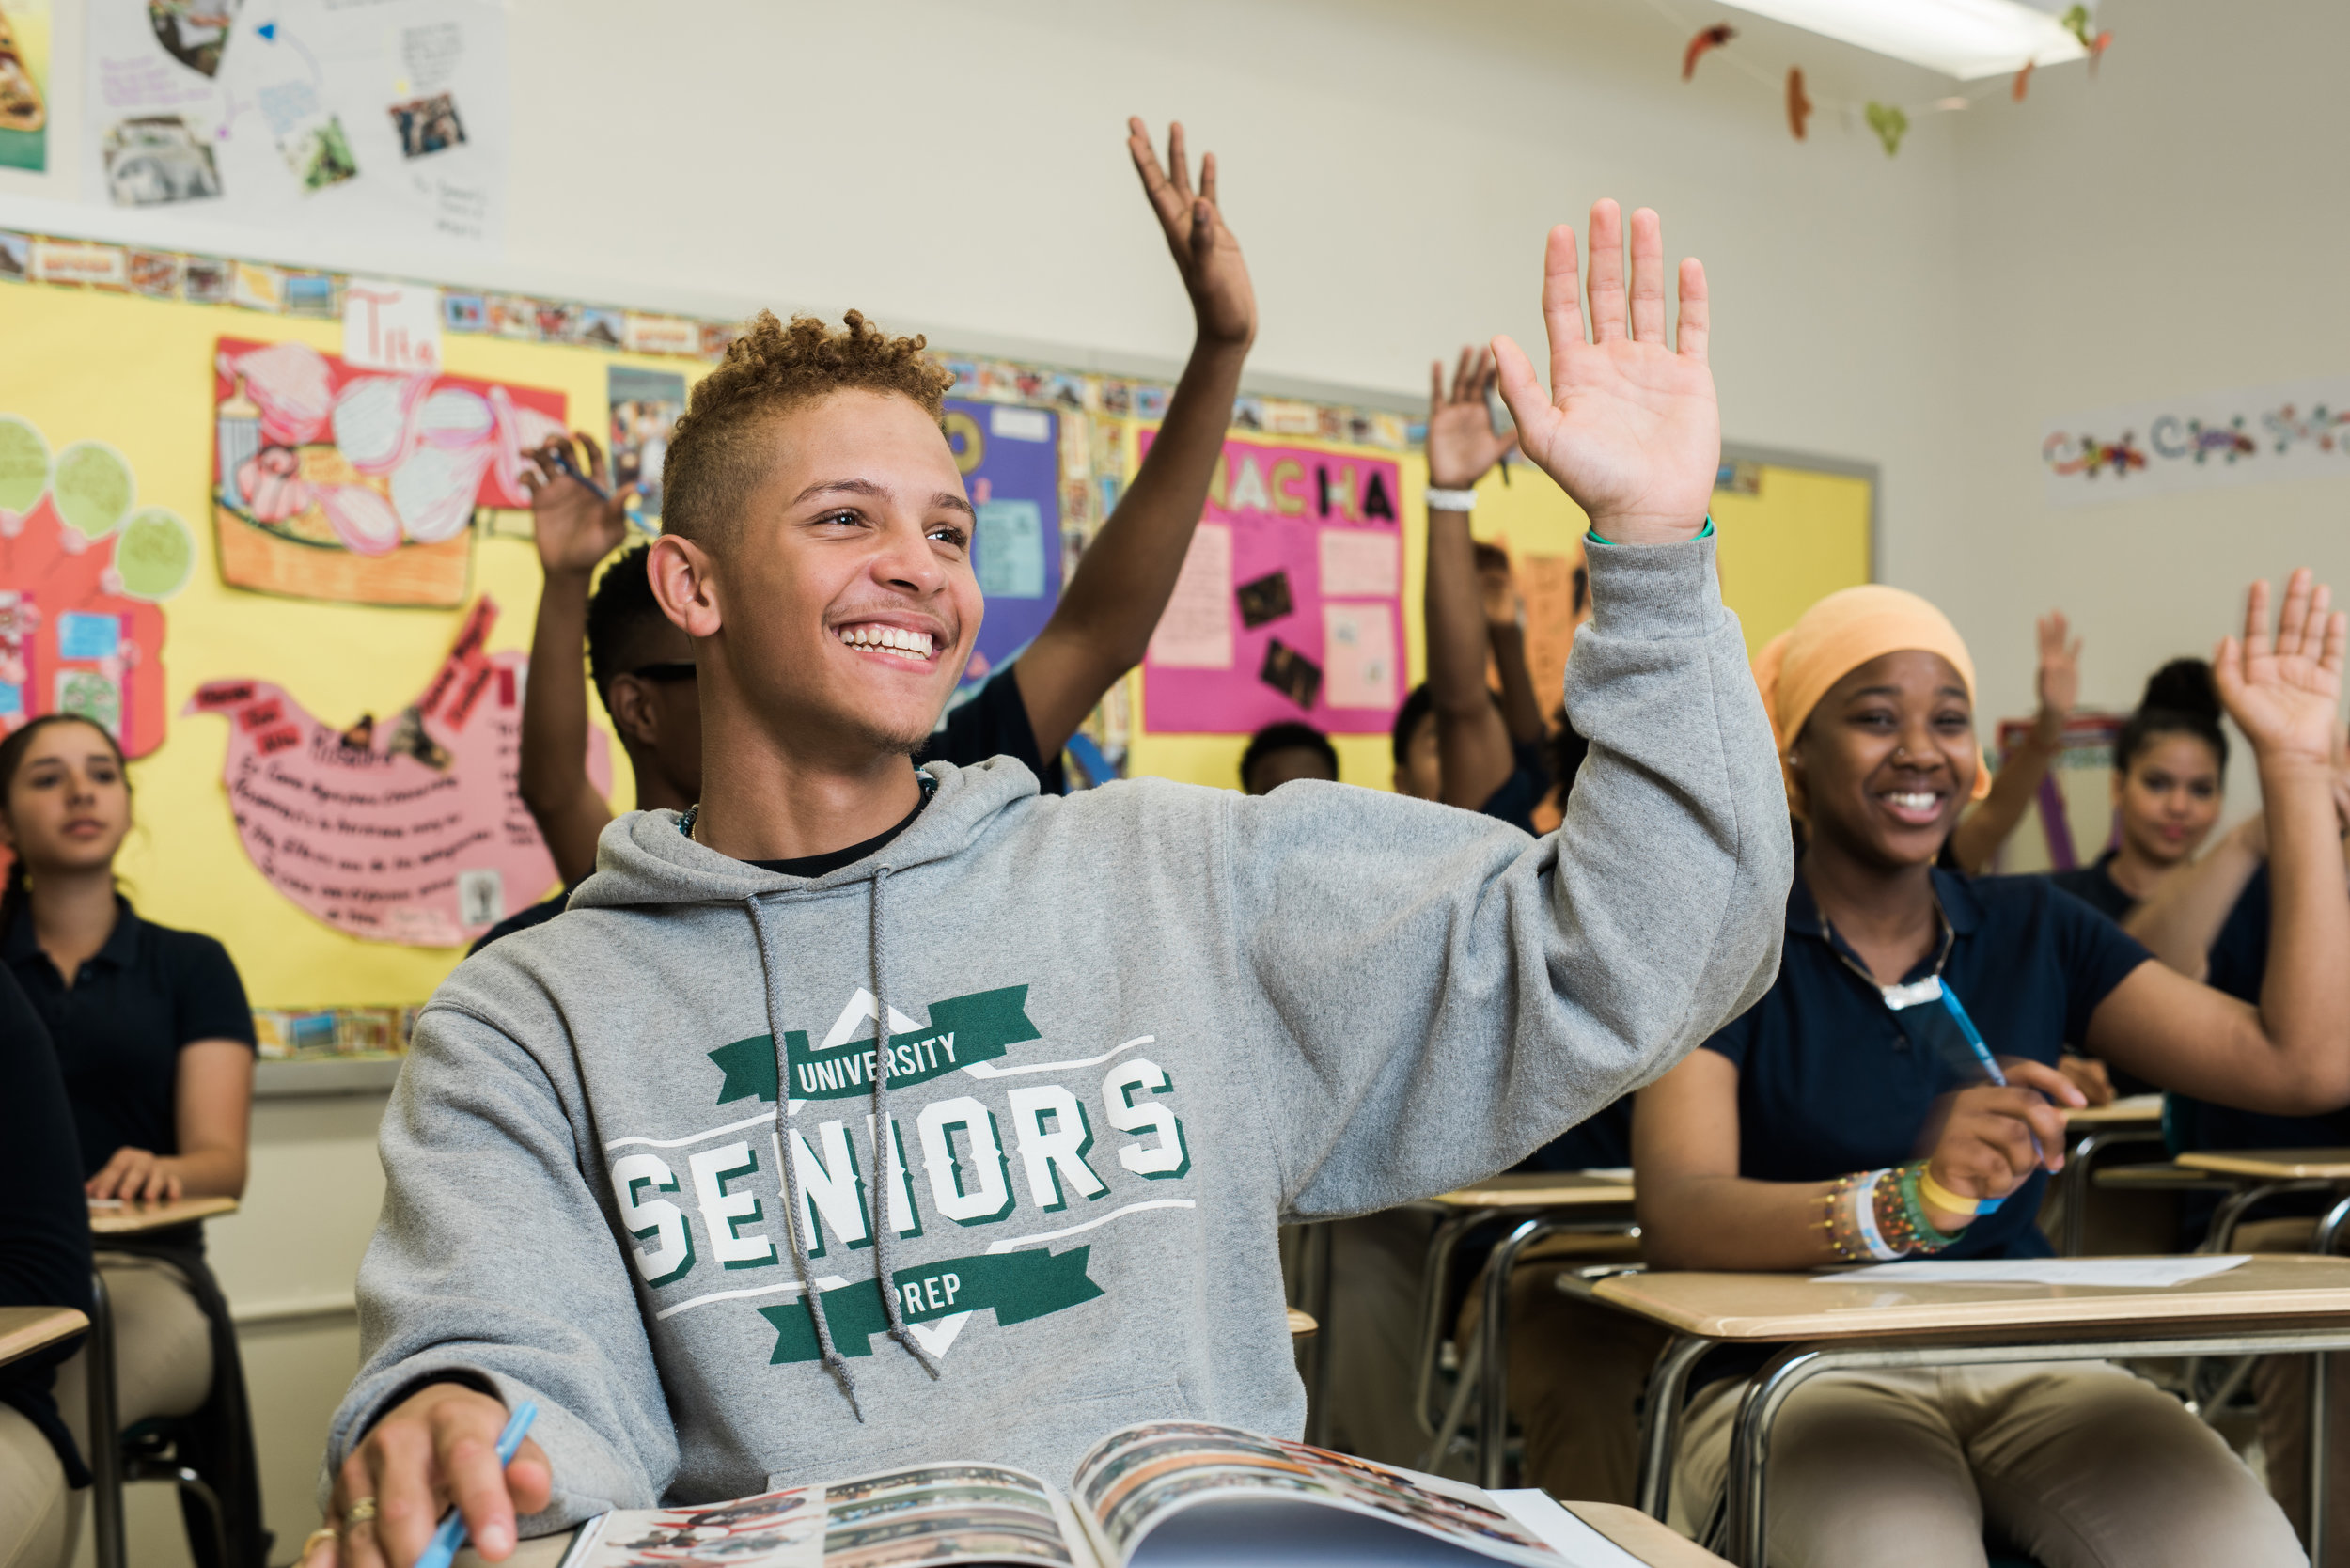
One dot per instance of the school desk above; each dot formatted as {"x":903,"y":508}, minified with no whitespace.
{"x":141,"y":1219}
{"x":2268,"y":1305}
{"x":2133,"y":1120}
{"x":2264,"y":1173}
{"x":26,"y":1329}
{"x":1301,"y":1325}
{"x":1544,"y":1204}
{"x":1634,"y":1532}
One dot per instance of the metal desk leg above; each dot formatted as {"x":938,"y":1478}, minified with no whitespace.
{"x":2320,"y":1428}
{"x":1751,"y":1450}
{"x":1314,"y":1265}
{"x":1434,"y":1284}
{"x":2076,"y":1175}
{"x":1493,"y":1413}
{"x":1660,"y":1421}
{"x":105,"y":1432}
{"x":2328,"y":1240}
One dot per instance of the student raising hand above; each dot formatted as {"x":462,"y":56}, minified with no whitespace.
{"x":1205,"y":252}
{"x":1462,"y":442}
{"x":1630,"y":429}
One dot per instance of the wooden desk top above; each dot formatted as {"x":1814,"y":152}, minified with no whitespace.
{"x":1537,"y":1189}
{"x":2273,"y":1164}
{"x":1302,"y":1323}
{"x":1791,"y":1307}
{"x":1643,"y":1537}
{"x":2163,"y":1177}
{"x":137,"y":1219}
{"x":1628,"y":1528}
{"x":2130,"y":1111}
{"x":26,"y":1329}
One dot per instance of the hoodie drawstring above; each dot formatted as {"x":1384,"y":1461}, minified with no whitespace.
{"x":886,"y":1142}
{"x":834,"y":1362}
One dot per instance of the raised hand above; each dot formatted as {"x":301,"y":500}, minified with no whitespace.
{"x":1630,"y":428}
{"x":574,"y":528}
{"x":2283,"y":690}
{"x":1206,"y":254}
{"x":1461,"y":439}
{"x":2059,"y":684}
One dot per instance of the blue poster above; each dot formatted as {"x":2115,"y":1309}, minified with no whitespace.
{"x":1011,"y":461}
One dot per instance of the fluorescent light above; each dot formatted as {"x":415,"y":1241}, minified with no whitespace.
{"x":1965,"y":39}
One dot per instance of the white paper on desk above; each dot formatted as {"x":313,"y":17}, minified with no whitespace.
{"x":1561,"y":1532}
{"x":2127,"y":1272}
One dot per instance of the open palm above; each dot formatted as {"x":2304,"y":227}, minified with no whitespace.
{"x":1214,"y":273}
{"x":1630,"y":428}
{"x":1461,"y":443}
{"x":2283,"y":691}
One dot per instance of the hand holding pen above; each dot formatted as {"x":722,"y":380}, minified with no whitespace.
{"x":434,"y":1470}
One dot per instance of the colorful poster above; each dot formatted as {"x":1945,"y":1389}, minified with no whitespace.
{"x":1011,"y":461}
{"x":25,"y":85}
{"x":383,"y":122}
{"x":409,"y":830}
{"x":330,"y":483}
{"x":2199,"y":441}
{"x":645,"y":409}
{"x":1289,"y":605}
{"x":82,"y":566}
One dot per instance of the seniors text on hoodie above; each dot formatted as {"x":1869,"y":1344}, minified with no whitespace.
{"x":1129,"y":1032}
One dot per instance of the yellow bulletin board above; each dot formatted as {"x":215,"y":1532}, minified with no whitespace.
{"x":1792,"y":528}
{"x":138,"y":374}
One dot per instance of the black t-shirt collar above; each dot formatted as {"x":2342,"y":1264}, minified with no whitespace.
{"x":120,"y":948}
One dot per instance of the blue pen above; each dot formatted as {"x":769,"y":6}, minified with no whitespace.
{"x":450,"y":1538}
{"x":563,"y":461}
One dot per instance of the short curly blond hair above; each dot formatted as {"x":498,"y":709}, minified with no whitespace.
{"x":714,"y":455}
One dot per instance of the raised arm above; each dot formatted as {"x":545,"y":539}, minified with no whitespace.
{"x":2183,"y":919}
{"x":1987,"y":824}
{"x":1439,"y":995}
{"x":2290,"y":1056}
{"x":1505,"y":627}
{"x":1107,"y":612}
{"x":573,"y":529}
{"x":1472,"y":739}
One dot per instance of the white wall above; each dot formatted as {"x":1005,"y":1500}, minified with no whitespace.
{"x":2176,"y":225}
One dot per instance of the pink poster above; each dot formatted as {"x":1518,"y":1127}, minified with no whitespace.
{"x":406,"y":829}
{"x":1290,"y":605}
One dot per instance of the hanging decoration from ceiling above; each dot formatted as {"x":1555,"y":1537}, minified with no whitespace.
{"x":1888,"y":122}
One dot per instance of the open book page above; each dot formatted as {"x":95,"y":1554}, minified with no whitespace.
{"x":1138,"y":1481}
{"x":2119,"y":1273}
{"x":927,"y":1514}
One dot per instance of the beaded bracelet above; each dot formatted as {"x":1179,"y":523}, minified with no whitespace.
{"x":1851,"y":1213}
{"x":1919,"y":1233}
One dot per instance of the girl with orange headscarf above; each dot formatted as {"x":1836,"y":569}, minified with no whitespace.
{"x":1895,"y":1094}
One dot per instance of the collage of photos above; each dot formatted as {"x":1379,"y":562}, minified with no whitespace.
{"x":1137,"y":1479}
{"x":934,"y":1514}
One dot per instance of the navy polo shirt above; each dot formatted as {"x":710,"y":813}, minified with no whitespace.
{"x":118,"y":1028}
{"x":2239,"y":960}
{"x":1830,"y":1080}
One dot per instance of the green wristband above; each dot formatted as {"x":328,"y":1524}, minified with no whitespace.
{"x":1706,"y":532}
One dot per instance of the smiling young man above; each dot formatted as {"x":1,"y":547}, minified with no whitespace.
{"x":650,"y":1168}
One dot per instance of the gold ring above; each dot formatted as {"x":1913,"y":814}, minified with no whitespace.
{"x":362,"y":1511}
{"x":313,"y":1541}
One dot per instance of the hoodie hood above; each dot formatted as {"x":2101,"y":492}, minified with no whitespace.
{"x":643,"y":861}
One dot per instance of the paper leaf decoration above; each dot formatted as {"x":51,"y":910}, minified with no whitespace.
{"x":1890,"y":124}
{"x":1711,"y":38}
{"x":1799,"y":104}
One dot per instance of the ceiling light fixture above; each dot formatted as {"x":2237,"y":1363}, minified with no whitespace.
{"x":1965,"y":39}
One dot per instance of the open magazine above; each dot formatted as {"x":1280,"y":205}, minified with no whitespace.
{"x":1161,"y":1494}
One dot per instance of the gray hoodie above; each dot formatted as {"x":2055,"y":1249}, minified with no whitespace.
{"x":1131,"y":1032}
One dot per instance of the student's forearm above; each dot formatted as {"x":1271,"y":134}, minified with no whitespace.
{"x":2305,"y":990}
{"x":1521,"y":705}
{"x":209,"y":1172}
{"x":1105,"y":616}
{"x":2182,"y":919}
{"x":1731,"y":1224}
{"x":552,"y":777}
{"x":1987,"y":824}
{"x":1471,"y":739}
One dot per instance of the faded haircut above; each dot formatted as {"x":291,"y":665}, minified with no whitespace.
{"x":716,"y":455}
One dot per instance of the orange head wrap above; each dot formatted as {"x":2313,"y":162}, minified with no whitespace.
{"x":1837,"y":635}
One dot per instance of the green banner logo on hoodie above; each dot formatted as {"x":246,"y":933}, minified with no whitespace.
{"x":1018,"y":1285}
{"x":963,"y":1030}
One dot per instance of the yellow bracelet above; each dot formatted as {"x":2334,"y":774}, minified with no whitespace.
{"x":1948,"y":1202}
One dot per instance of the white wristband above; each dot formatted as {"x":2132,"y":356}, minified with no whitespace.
{"x":1864,"y":1207}
{"x":1441,"y":499}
